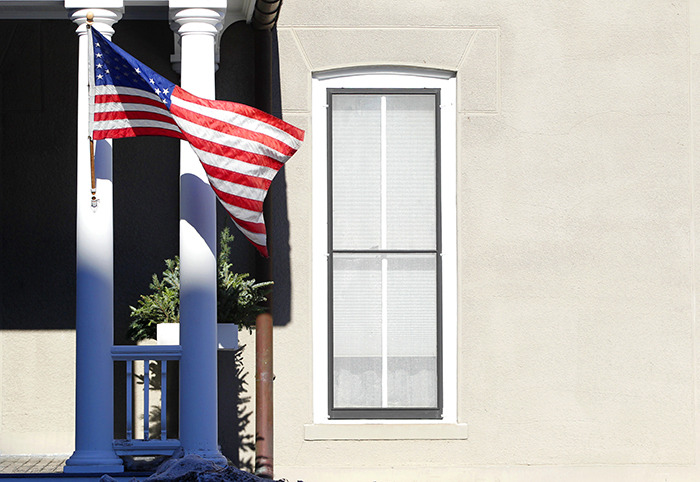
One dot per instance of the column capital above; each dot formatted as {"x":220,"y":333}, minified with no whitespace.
{"x":104,"y":18}
{"x":205,"y":20}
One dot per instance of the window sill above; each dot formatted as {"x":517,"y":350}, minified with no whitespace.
{"x":386,"y":431}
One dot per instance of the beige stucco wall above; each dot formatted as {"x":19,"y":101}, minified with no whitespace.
{"x":37,"y":393}
{"x":576,"y":214}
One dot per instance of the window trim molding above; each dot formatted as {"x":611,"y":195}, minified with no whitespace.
{"x":384,"y":78}
{"x":387,"y":430}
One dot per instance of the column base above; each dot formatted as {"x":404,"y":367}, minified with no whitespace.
{"x":93,"y":462}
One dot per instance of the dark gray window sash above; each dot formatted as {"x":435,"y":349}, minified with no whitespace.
{"x":384,"y":413}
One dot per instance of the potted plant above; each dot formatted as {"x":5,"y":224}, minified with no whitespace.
{"x":239,"y":297}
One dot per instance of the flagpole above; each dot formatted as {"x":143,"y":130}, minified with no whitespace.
{"x":93,"y":189}
{"x":90,"y":17}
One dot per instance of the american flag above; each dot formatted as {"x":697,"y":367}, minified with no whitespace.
{"x":240,"y":147}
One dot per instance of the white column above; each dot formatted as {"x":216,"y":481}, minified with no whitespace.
{"x":94,"y":404}
{"x":198,"y":28}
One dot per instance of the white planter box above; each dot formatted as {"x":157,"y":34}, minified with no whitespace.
{"x":168,"y":333}
{"x":226,"y":333}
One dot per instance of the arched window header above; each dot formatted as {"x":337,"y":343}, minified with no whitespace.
{"x":383,"y":70}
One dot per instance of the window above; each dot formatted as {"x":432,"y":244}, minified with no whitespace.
{"x":381,"y":171}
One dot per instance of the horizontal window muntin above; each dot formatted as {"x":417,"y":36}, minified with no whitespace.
{"x":384,"y":377}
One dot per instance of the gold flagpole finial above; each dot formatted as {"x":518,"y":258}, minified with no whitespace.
{"x":90,"y":17}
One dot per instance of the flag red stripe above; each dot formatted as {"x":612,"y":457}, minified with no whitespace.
{"x":236,"y":177}
{"x":107,"y":116}
{"x":134,"y":132}
{"x":241,"y":109}
{"x":232,"y":152}
{"x":232,"y":130}
{"x":127,"y":99}
{"x":238,"y":201}
{"x":258,"y":228}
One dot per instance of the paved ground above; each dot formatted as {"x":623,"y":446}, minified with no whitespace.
{"x":34,"y":464}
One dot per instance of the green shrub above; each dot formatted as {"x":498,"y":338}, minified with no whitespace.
{"x":239,"y":298}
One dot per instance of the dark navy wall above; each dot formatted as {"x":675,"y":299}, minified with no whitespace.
{"x":38,"y":79}
{"x":38,"y":75}
{"x":146,"y":184}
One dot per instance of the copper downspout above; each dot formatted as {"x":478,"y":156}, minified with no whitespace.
{"x":264,"y":413}
{"x":266,"y":13}
{"x":264,"y":20}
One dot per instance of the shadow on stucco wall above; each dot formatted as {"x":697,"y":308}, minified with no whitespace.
{"x":278,"y":225}
{"x":236,"y":81}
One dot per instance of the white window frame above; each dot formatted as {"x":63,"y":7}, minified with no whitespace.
{"x":384,"y":78}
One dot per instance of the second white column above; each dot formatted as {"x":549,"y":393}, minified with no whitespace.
{"x":198,"y":28}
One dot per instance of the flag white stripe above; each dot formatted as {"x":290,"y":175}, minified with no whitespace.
{"x":126,"y":123}
{"x":120,"y":90}
{"x":127,"y":107}
{"x":212,"y":135}
{"x":242,"y":213}
{"x":239,"y":190}
{"x":239,"y":120}
{"x":235,"y":165}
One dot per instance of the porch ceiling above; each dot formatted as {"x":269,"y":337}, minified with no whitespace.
{"x":133,"y":9}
